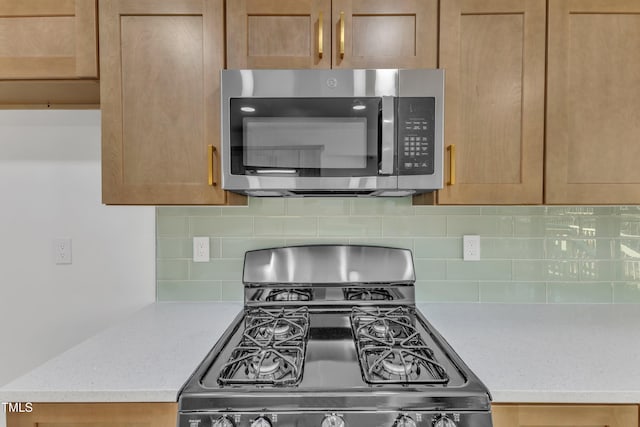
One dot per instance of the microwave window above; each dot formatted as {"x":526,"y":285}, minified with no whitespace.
{"x":305,"y":142}
{"x":306,"y":137}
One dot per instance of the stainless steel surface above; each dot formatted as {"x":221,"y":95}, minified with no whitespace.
{"x":332,"y":325}
{"x":328,"y":264}
{"x":387,"y":162}
{"x":384,"y":83}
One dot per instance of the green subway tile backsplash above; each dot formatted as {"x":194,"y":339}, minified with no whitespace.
{"x":350,"y":226}
{"x":576,"y":292}
{"x":447,"y":291}
{"x":169,"y":290}
{"x":529,"y":254}
{"x":520,"y":292}
{"x":414,"y":226}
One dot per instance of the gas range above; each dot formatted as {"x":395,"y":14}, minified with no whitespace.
{"x":330,"y":337}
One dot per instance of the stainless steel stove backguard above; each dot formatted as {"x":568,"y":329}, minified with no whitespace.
{"x":328,"y":264}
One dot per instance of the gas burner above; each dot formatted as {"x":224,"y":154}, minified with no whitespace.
{"x":276,"y":327}
{"x":278,"y":332}
{"x":391,"y":350}
{"x":367,"y":294}
{"x":289,"y":295}
{"x":381,"y":328}
{"x":266,"y":366}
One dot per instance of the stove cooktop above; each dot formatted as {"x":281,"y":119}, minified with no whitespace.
{"x":332,"y":354}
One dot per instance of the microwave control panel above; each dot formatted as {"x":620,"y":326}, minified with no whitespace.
{"x":416,"y":120}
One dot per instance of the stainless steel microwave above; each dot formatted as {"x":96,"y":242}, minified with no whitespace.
{"x":332,"y":132}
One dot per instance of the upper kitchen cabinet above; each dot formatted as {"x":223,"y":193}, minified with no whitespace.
{"x":338,"y":34}
{"x":384,"y":34}
{"x":160,"y":64}
{"x":593,"y":102}
{"x":48,"y":52}
{"x":493,"y":54}
{"x":278,"y":34}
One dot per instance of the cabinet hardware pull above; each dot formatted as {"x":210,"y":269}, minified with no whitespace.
{"x":320,"y":36}
{"x":452,"y":164}
{"x":341,"y":35}
{"x":211,"y":150}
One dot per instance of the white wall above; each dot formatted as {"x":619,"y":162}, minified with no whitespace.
{"x":50,"y":187}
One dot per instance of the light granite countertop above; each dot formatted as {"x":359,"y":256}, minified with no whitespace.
{"x":523,"y":353}
{"x":145,"y":358}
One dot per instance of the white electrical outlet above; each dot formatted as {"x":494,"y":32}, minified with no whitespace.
{"x":200,"y":249}
{"x":471,"y":248}
{"x":62,"y":251}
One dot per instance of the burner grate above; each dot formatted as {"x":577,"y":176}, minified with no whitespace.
{"x":272,"y":348}
{"x":391,"y":350}
{"x":279,"y":365}
{"x":289,"y":295}
{"x":276,"y":327}
{"x":367,"y":294}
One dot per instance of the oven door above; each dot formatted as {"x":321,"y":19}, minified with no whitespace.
{"x":311,"y":144}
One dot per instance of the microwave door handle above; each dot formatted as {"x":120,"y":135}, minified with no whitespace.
{"x":388,"y":135}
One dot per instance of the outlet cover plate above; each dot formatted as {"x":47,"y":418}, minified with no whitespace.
{"x":201,"y":249}
{"x":471,"y":248}
{"x":62,"y":251}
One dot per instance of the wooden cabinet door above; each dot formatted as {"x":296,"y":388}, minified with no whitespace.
{"x":493,"y":54}
{"x":96,"y":415}
{"x":160,"y":64}
{"x":279,"y":34}
{"x":48,"y":39}
{"x":593,"y":102}
{"x":384,"y":34}
{"x":565,"y":416}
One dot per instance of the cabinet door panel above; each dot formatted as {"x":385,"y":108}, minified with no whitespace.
{"x":565,"y":415}
{"x":278,"y":34}
{"x":593,"y":103}
{"x":493,"y":56}
{"x":96,"y":415}
{"x":160,"y":63}
{"x":147,"y":42}
{"x":383,"y":34}
{"x":48,"y":40}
